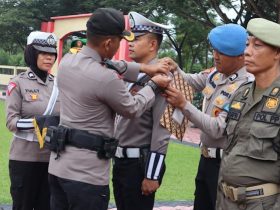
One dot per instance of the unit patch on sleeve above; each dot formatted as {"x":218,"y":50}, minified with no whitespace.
{"x":10,"y":87}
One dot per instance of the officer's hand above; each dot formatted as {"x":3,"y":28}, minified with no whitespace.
{"x":152,"y":69}
{"x":172,"y":64}
{"x":175,"y":97}
{"x":149,"y":186}
{"x":161,"y":80}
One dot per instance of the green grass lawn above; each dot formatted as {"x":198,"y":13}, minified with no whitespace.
{"x":178,"y":182}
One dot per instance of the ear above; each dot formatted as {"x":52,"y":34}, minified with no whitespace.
{"x":277,"y":54}
{"x":153,"y":45}
{"x":107,"y":44}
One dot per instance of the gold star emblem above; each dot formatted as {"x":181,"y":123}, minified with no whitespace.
{"x":34,"y":96}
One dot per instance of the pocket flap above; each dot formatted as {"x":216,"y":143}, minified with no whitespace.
{"x":267,"y":131}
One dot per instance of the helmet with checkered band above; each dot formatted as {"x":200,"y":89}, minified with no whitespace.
{"x":42,"y":41}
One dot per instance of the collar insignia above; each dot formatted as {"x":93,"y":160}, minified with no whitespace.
{"x":31,"y":75}
{"x":233,"y":77}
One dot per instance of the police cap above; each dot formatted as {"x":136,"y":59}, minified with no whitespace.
{"x":141,"y":25}
{"x":42,"y":41}
{"x":265,"y":30}
{"x":229,"y":39}
{"x":108,"y":21}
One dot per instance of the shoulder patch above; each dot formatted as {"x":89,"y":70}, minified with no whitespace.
{"x":10,"y":87}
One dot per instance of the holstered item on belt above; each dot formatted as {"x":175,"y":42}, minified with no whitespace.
{"x":239,"y":194}
{"x":56,"y":139}
{"x":144,"y":154}
{"x":109,"y":149}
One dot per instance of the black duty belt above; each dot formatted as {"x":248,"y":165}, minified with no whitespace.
{"x":85,"y":140}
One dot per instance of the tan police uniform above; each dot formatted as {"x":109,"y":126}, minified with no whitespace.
{"x":144,"y":131}
{"x":228,"y":42}
{"x":218,"y":90}
{"x":31,"y":94}
{"x":143,"y":140}
{"x":27,"y":97}
{"x":91,"y":94}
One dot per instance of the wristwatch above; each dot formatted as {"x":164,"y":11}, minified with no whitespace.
{"x":153,"y":85}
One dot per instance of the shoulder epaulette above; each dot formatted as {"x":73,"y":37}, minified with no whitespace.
{"x":110,"y":65}
{"x":51,"y":76}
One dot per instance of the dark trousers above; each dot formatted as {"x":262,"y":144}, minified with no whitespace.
{"x":29,"y":185}
{"x":206,"y":183}
{"x":73,"y":195}
{"x":128,"y":175}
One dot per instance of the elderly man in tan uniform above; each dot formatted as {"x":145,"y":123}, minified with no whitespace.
{"x":91,"y":94}
{"x":228,"y":42}
{"x":139,"y":160}
{"x":250,"y":169}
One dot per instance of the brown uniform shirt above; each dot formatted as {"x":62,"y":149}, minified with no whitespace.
{"x":218,"y":91}
{"x":91,"y":95}
{"x":253,"y":125}
{"x":28,"y":97}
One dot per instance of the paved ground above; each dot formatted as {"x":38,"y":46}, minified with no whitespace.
{"x":191,"y":138}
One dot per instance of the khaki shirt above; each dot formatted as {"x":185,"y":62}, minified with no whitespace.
{"x":91,"y":95}
{"x":28,"y":97}
{"x":144,"y":130}
{"x":249,"y":158}
{"x":218,"y":90}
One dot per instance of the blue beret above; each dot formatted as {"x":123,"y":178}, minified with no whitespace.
{"x":229,"y":39}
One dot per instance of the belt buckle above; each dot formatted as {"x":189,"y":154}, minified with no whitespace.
{"x":229,"y":192}
{"x":204,"y":151}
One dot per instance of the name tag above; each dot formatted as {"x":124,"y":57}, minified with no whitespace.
{"x":267,"y":118}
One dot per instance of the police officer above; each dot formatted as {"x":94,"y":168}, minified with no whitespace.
{"x":91,"y":93}
{"x":29,"y":95}
{"x":228,"y":42}
{"x":250,"y":169}
{"x":139,"y":161}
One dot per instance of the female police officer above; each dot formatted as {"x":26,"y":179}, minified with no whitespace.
{"x":250,"y":169}
{"x":28,"y":95}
